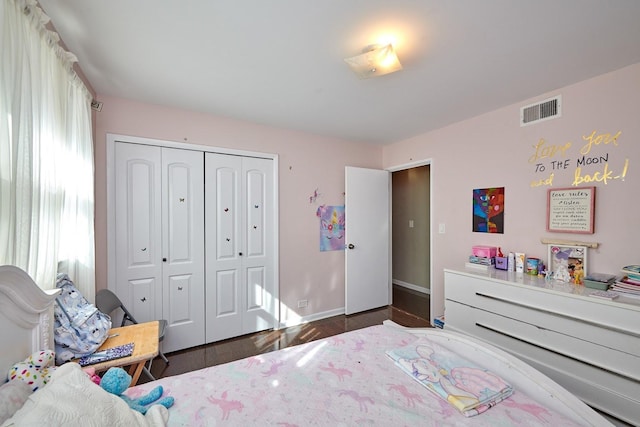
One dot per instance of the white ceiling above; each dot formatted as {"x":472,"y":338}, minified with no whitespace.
{"x":280,"y":62}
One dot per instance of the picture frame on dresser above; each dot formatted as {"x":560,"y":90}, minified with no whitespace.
{"x":568,"y":263}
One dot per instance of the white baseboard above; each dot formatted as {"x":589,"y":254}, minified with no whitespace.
{"x":311,"y":318}
{"x":338,"y":311}
{"x":413,"y":287}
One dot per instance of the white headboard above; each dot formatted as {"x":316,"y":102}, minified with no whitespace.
{"x":26,"y":317}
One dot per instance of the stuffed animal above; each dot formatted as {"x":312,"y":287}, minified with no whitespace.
{"x":91,"y":372}
{"x":117,"y":380}
{"x":35,"y":370}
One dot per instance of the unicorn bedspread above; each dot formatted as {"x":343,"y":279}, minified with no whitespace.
{"x":339,"y":381}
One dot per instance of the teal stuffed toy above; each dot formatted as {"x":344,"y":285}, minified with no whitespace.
{"x":117,"y":380}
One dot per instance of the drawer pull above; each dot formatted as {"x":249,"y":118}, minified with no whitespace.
{"x":555,"y":313}
{"x":560,"y":353}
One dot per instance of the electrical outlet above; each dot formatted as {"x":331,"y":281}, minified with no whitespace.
{"x":441,"y":228}
{"x":302,"y":303}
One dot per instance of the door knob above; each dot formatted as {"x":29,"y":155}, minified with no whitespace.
{"x":164,"y":260}
{"x":239,"y":253}
{"x":351,"y":246}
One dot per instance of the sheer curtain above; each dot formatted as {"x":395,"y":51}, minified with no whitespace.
{"x":46,"y":153}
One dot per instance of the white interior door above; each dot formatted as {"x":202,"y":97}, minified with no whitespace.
{"x":368,"y":239}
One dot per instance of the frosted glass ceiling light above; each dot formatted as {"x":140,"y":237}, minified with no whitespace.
{"x":375,"y":60}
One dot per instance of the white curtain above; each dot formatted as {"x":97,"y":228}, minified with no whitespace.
{"x":46,"y":153}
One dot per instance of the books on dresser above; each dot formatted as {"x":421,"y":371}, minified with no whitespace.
{"x":631,"y":270}
{"x":629,"y":283}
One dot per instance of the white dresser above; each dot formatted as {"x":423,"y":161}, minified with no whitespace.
{"x":588,"y":345}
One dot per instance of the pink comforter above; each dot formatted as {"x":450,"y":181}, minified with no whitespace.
{"x":339,"y":381}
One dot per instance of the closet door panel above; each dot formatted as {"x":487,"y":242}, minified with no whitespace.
{"x":226,"y":294}
{"x":180,"y":294}
{"x":143,"y":247}
{"x":259,"y":285}
{"x":179,"y":214}
{"x":225,"y":213}
{"x":183,"y":248}
{"x":255,"y":290}
{"x":143,"y":304}
{"x":223,"y":247}
{"x":255,"y":211}
{"x":138,"y":229}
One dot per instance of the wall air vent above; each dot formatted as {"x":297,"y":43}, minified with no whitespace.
{"x":545,"y":110}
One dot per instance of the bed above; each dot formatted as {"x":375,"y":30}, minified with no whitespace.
{"x":348,"y":379}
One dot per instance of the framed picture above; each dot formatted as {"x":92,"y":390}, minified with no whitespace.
{"x":488,"y":210}
{"x":568,"y":263}
{"x":571,"y":210}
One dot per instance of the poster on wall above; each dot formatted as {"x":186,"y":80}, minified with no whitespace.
{"x":331,"y":227}
{"x":488,"y":210}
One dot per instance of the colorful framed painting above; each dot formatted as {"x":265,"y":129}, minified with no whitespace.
{"x":568,"y":263}
{"x":571,"y":210}
{"x":488,"y":210}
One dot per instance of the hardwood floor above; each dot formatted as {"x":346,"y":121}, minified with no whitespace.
{"x":409,"y":308}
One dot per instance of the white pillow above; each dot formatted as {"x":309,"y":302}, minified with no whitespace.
{"x":12,"y":396}
{"x":72,"y":399}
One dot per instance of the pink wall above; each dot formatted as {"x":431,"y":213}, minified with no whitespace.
{"x":492,"y":150}
{"x":306,"y":162}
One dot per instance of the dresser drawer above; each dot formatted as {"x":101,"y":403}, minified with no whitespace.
{"x":581,"y":317}
{"x":599,"y":386}
{"x":477,"y":321}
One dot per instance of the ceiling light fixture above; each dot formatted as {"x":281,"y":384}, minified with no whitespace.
{"x":375,"y":60}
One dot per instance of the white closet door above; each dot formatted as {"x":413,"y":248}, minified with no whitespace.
{"x":138,"y":229}
{"x":160,"y":238}
{"x":183,"y":247}
{"x":258,"y":258}
{"x":223,"y":246}
{"x":240,"y":261}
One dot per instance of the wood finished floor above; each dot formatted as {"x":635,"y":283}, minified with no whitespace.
{"x":409,"y":308}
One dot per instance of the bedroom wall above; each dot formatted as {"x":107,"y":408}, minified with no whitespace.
{"x":492,"y":150}
{"x":307,"y":162}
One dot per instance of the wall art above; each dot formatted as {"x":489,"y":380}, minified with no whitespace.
{"x":488,"y":210}
{"x":571,"y":210}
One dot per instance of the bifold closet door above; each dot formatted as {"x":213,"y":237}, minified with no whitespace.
{"x":239,"y":240}
{"x":160,"y":238}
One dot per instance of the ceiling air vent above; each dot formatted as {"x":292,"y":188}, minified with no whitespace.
{"x":545,"y":110}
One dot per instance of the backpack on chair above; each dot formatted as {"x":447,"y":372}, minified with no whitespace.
{"x":79,"y":327}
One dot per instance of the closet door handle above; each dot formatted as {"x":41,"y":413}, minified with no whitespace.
{"x":239,"y":253}
{"x":164,"y":260}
